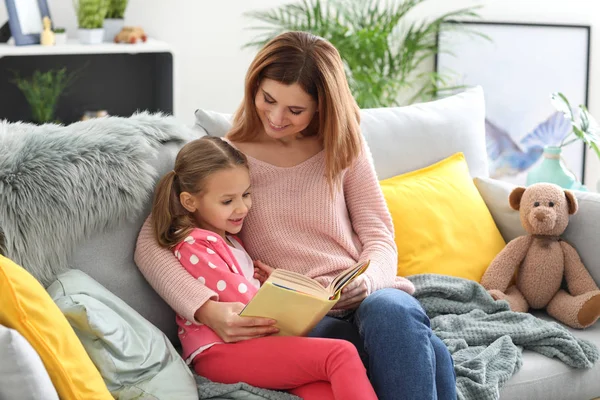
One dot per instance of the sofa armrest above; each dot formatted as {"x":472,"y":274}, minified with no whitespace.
{"x":583,"y":231}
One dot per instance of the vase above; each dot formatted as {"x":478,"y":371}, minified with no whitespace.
{"x":60,"y":38}
{"x":552,"y":169}
{"x":90,"y":36}
{"x":112,"y":26}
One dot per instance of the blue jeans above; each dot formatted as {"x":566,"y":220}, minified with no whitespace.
{"x":404,"y":358}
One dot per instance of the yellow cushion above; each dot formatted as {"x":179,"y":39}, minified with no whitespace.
{"x":441,"y":222}
{"x":27,"y":308}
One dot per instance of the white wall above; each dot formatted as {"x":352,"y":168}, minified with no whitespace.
{"x":207,"y":37}
{"x":583,"y":12}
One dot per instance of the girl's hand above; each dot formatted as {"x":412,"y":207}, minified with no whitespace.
{"x":262,"y":271}
{"x":224,"y":319}
{"x":353,"y":294}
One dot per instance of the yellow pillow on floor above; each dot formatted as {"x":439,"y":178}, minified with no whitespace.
{"x":27,"y":308}
{"x":441,"y":222}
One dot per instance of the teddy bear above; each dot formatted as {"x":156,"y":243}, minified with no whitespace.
{"x":541,"y":260}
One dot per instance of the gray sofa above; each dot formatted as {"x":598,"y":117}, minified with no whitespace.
{"x":401,"y":139}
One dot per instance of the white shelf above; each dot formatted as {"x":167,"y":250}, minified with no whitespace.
{"x":74,"y":47}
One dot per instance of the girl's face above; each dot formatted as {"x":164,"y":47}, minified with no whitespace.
{"x":285,"y":110}
{"x":223,"y":203}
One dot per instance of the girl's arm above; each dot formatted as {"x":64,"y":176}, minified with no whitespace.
{"x":189,"y":297}
{"x":167,"y":276}
{"x":211,"y":263}
{"x":371,"y":221}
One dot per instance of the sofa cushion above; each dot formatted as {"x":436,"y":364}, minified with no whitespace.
{"x":404,"y":139}
{"x":441,"y":222}
{"x":133,"y":356}
{"x":407,"y":138}
{"x":27,"y":308}
{"x":22,"y":373}
{"x":582,"y":232}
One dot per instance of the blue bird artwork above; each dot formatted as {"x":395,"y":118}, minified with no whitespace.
{"x":509,"y":157}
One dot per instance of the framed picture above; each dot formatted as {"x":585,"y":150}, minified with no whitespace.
{"x":25,"y":20}
{"x":519,"y":66}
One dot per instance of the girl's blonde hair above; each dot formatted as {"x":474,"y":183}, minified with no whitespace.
{"x":194,"y":163}
{"x":314,"y":64}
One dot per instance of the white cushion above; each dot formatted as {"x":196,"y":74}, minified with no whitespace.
{"x":22,"y":372}
{"x":135,"y":359}
{"x":406,"y":138}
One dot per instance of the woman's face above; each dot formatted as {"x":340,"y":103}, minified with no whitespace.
{"x":285,"y":110}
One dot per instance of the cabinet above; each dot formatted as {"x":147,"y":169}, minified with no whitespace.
{"x":118,"y":78}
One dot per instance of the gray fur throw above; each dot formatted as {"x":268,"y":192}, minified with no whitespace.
{"x":64,"y":183}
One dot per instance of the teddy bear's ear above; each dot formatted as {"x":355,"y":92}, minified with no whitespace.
{"x":515,"y":197}
{"x":572,"y":202}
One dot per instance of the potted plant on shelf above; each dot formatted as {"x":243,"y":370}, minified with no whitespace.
{"x":90,"y":19}
{"x":584,"y":128}
{"x":43,"y":90}
{"x":115,"y":19}
{"x":60,"y":36}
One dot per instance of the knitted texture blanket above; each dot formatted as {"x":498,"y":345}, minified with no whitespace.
{"x":208,"y":390}
{"x":486,"y":339}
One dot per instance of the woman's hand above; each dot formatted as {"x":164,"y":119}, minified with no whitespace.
{"x":262,"y":271}
{"x":224,"y":319}
{"x":353,"y":294}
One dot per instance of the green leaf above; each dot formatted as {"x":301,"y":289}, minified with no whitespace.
{"x":381,"y":48}
{"x":560,"y":102}
{"x":43,"y":90}
{"x":596,"y":148}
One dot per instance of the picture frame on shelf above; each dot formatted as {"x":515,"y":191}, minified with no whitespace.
{"x":519,"y":66}
{"x":25,"y":20}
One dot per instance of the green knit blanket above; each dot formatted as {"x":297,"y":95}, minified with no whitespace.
{"x":486,"y":339}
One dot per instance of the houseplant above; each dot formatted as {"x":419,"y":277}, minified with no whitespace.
{"x":383,"y":49}
{"x":43,"y":90}
{"x":583,"y":128}
{"x":60,"y":36}
{"x":115,"y":19}
{"x":90,"y":19}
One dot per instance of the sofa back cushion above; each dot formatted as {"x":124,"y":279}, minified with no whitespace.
{"x":408,"y":138}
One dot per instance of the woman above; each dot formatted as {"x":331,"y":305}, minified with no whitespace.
{"x":318,"y":208}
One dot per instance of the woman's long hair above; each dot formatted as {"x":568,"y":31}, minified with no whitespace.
{"x":314,"y":64}
{"x":194,"y":163}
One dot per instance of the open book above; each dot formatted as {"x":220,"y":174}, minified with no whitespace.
{"x":297,"y":302}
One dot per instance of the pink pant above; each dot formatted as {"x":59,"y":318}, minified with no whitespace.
{"x":311,"y":368}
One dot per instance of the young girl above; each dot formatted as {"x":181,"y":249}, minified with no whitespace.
{"x":198,"y":208}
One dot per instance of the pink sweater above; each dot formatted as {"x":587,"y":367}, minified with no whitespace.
{"x":295,"y":224}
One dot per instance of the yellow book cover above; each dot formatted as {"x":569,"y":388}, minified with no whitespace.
{"x":297,"y":302}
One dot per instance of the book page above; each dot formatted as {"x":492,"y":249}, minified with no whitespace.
{"x":298,"y":283}
{"x":346,"y":277}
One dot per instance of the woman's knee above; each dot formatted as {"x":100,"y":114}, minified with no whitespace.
{"x":392,"y":304}
{"x":442,"y":354}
